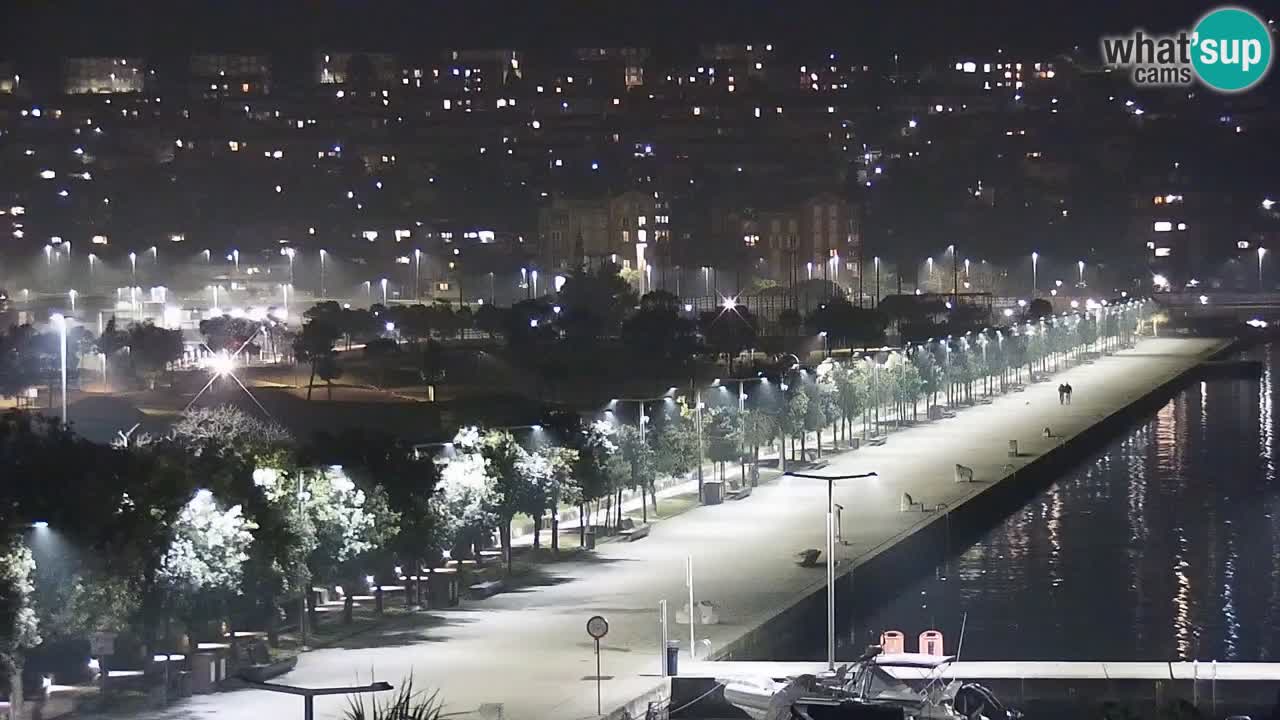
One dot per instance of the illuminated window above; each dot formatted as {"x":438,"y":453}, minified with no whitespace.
{"x":1162,"y":226}
{"x":1163,"y":252}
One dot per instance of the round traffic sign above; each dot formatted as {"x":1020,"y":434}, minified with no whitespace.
{"x":597,"y":627}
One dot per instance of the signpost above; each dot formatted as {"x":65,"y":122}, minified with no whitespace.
{"x":597,"y":627}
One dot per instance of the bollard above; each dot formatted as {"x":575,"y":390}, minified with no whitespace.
{"x":377,"y":599}
{"x":673,"y":658}
{"x":1013,"y":448}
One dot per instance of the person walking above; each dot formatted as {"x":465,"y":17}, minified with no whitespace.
{"x":1062,"y":393}
{"x":1067,"y":387}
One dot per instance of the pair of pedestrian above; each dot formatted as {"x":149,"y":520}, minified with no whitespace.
{"x":1064,"y":394}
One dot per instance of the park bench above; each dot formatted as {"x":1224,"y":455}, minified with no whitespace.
{"x":635,"y":532}
{"x":482,"y":590}
{"x":740,"y":494}
{"x":878,"y":440}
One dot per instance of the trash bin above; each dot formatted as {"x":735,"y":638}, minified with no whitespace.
{"x":1013,"y":448}
{"x":712,"y":492}
{"x":204,"y":672}
{"x":443,"y":588}
{"x":589,"y":539}
{"x":673,"y":658}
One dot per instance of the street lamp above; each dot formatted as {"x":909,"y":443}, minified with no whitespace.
{"x":93,"y":259}
{"x":322,"y":254}
{"x":831,"y":553}
{"x":61,"y":323}
{"x":235,"y":256}
{"x":1261,"y":251}
{"x":1080,"y":266}
{"x":133,"y":267}
{"x":417,"y":268}
{"x":72,"y":294}
{"x":876,"y":261}
{"x":384,"y":290}
{"x":290,"y":253}
{"x":1035,"y":283}
{"x":826,"y":346}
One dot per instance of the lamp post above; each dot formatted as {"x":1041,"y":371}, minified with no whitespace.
{"x":235,"y":257}
{"x":1080,"y":267}
{"x":876,"y":261}
{"x":322,"y":254}
{"x":290,"y":253}
{"x":93,"y":260}
{"x":1261,"y":251}
{"x":61,"y":323}
{"x":133,"y":267}
{"x":72,"y":294}
{"x":1035,"y":280}
{"x":492,"y":289}
{"x":831,"y":552}
{"x":417,"y":271}
{"x":384,"y":290}
{"x":826,"y":345}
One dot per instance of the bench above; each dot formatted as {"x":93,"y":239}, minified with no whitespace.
{"x":482,"y":590}
{"x":635,"y":533}
{"x":878,"y":440}
{"x":740,"y":494}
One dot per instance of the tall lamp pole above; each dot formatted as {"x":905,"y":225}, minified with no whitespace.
{"x":61,"y":323}
{"x":1035,"y":281}
{"x":831,"y":552}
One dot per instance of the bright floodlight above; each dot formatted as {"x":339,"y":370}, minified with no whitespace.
{"x":221,"y":364}
{"x":730,"y":303}
{"x":391,"y":327}
{"x":1162,"y":281}
{"x":1008,"y":312}
{"x":40,"y":524}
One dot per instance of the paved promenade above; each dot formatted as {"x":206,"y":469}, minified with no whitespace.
{"x":529,"y":650}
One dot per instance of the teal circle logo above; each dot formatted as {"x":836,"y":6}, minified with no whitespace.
{"x":1231,"y":49}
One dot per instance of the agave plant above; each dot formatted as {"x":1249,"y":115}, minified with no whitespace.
{"x":405,"y":704}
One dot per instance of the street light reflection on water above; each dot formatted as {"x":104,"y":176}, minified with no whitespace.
{"x":1163,"y":546}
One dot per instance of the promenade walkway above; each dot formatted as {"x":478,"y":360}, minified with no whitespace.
{"x":528,"y":650}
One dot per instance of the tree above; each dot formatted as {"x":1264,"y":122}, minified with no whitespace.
{"x":152,"y":349}
{"x":759,"y":428}
{"x":203,"y":566}
{"x":657,"y":334}
{"x":848,"y":325}
{"x":723,"y":437}
{"x":675,"y":445}
{"x":19,"y":627}
{"x":110,"y":343}
{"x":595,"y":447}
{"x":314,"y":345}
{"x":1039,"y":308}
{"x":594,"y":303}
{"x":637,"y":457}
{"x":560,"y":463}
{"x":728,"y":331}
{"x":504,"y":464}
{"x":384,"y":355}
{"x":226,"y":333}
{"x":789,"y":320}
{"x":467,"y":491}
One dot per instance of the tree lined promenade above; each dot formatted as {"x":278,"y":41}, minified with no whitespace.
{"x":225,"y":521}
{"x":528,"y":650}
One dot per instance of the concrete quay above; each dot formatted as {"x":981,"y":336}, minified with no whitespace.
{"x":528,"y":650}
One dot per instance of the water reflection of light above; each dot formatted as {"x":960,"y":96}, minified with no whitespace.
{"x":1053,"y":523}
{"x":1229,"y":599}
{"x":1183,"y":629}
{"x":1266,"y":433}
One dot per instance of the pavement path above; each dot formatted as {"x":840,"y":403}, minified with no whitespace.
{"x":528,"y":650}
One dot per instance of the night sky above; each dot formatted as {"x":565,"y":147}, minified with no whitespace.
{"x":919,"y":30}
